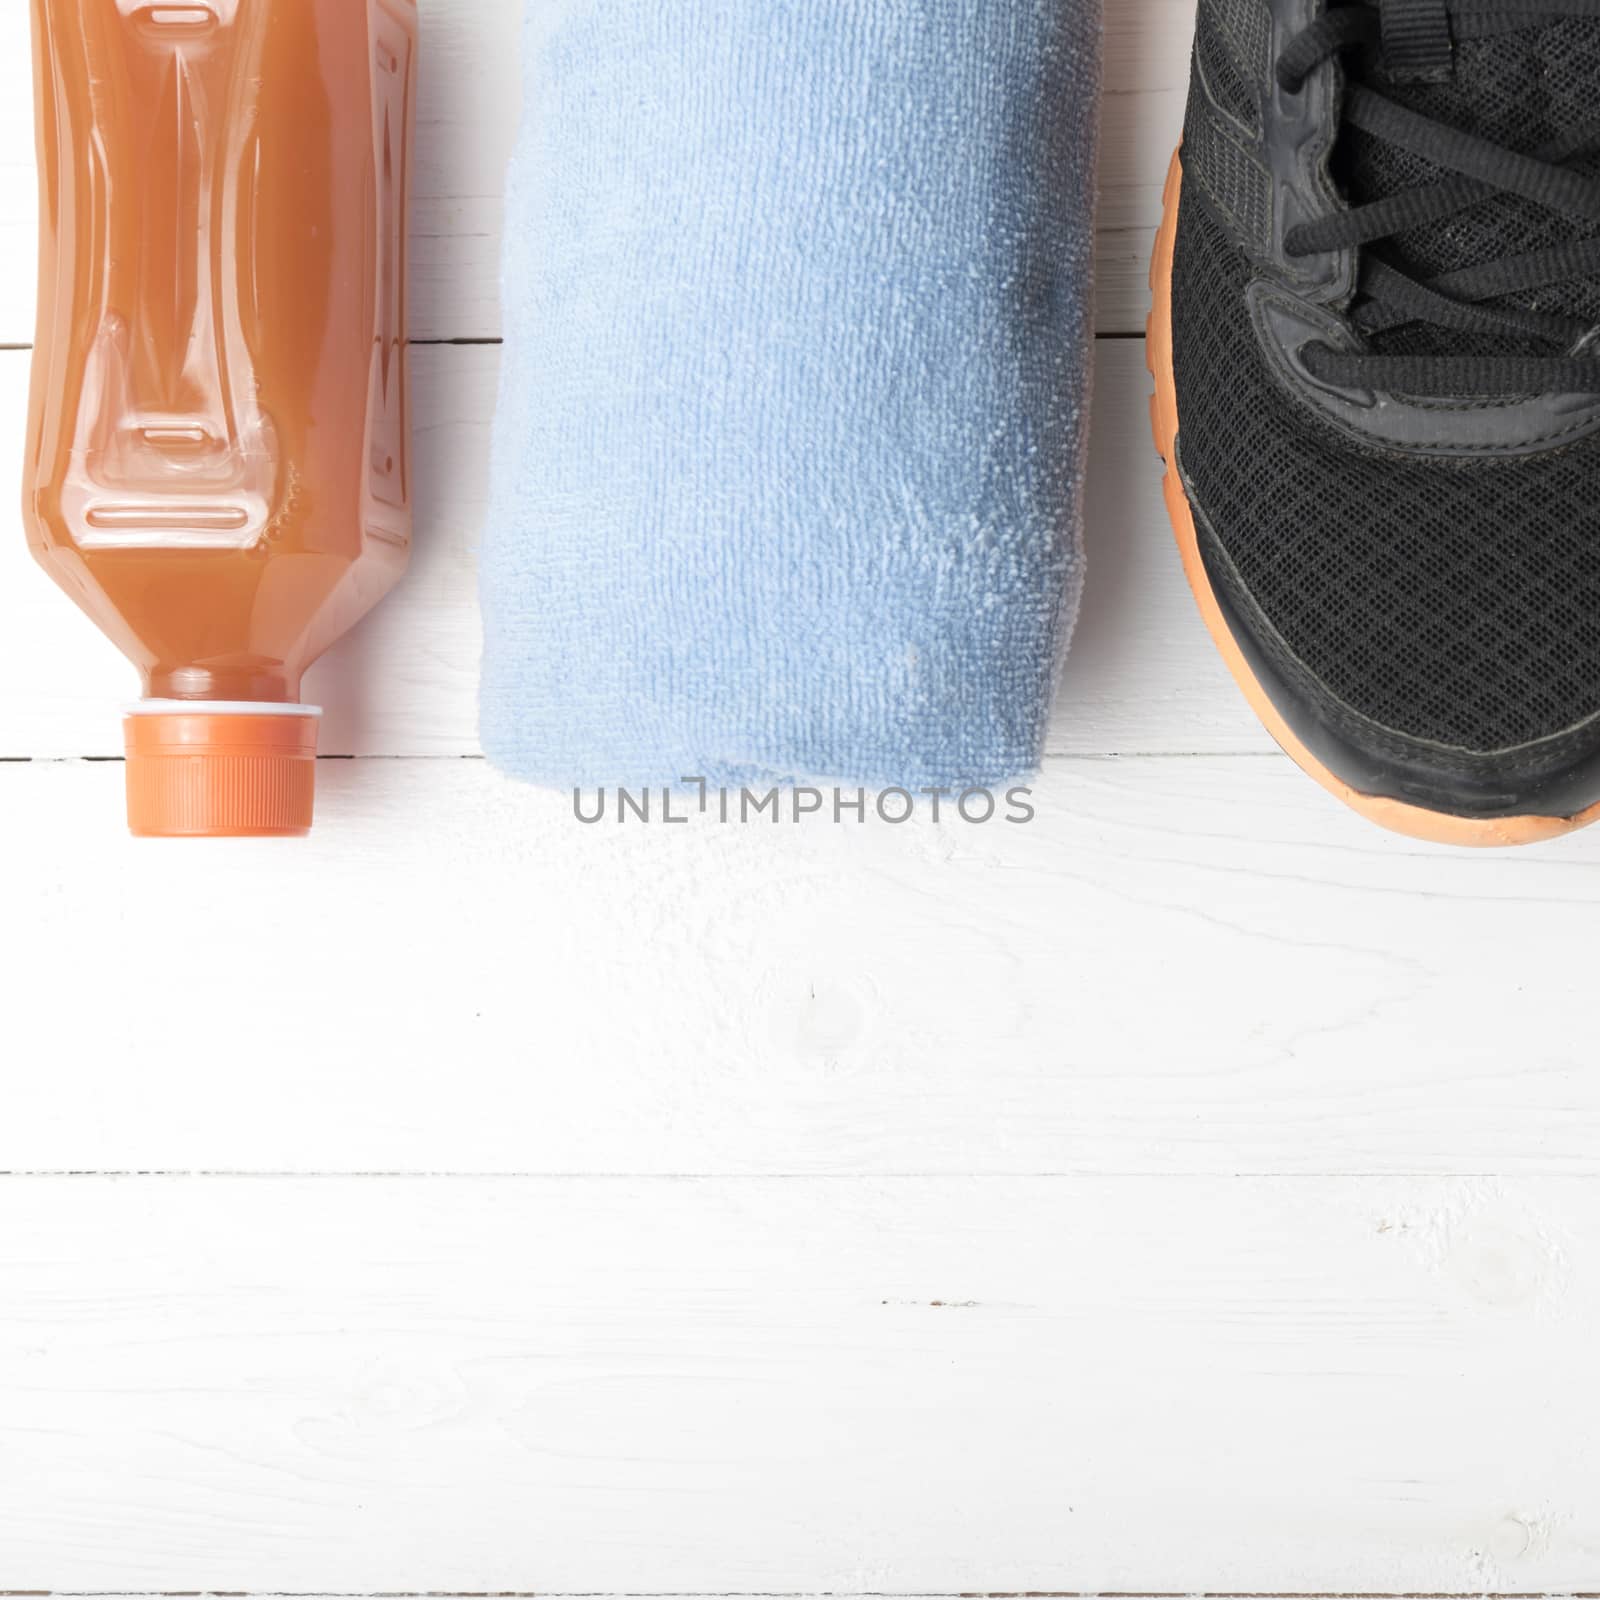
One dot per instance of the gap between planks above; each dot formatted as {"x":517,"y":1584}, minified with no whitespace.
{"x":932,"y":1175}
{"x":1049,"y":760}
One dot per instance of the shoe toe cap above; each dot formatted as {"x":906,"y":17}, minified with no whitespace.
{"x":1554,"y":776}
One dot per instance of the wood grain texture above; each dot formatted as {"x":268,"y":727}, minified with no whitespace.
{"x":1193,"y":1191}
{"x":468,"y":112}
{"x":850,"y":1385}
{"x":1182,"y":966}
{"x":1143,"y":676}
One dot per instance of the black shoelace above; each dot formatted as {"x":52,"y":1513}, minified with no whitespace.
{"x":1478,"y":169}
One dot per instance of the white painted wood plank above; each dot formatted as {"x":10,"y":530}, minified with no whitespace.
{"x":1143,"y":675}
{"x":1183,"y":966}
{"x":1147,"y":44}
{"x":470,"y":102}
{"x":798,"y":1386}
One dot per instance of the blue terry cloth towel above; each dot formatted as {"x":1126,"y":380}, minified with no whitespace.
{"x":789,"y":448}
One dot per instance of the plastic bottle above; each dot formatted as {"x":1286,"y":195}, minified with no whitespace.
{"x":218,"y":461}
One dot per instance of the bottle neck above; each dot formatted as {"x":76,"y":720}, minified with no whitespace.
{"x":245,"y":685}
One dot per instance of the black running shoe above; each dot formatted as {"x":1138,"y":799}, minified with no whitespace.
{"x":1376,"y":345}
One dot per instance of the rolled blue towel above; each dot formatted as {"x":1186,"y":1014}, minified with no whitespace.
{"x":789,"y":447}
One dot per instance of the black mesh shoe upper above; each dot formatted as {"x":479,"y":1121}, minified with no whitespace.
{"x":1441,"y":600}
{"x":1457,"y":602}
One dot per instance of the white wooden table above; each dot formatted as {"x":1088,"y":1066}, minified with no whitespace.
{"x":1194,"y":1191}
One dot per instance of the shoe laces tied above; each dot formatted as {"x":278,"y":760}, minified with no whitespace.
{"x":1414,"y":38}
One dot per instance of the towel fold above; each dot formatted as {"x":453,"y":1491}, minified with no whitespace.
{"x":790,"y":439}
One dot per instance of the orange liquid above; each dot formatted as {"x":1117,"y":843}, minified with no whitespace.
{"x":218,"y":455}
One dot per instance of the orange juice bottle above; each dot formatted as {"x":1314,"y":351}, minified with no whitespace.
{"x":218,"y":465}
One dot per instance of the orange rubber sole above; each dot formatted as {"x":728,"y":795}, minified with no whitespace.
{"x":1438,"y":827}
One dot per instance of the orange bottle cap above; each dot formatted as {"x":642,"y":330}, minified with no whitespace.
{"x":221,"y":772}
